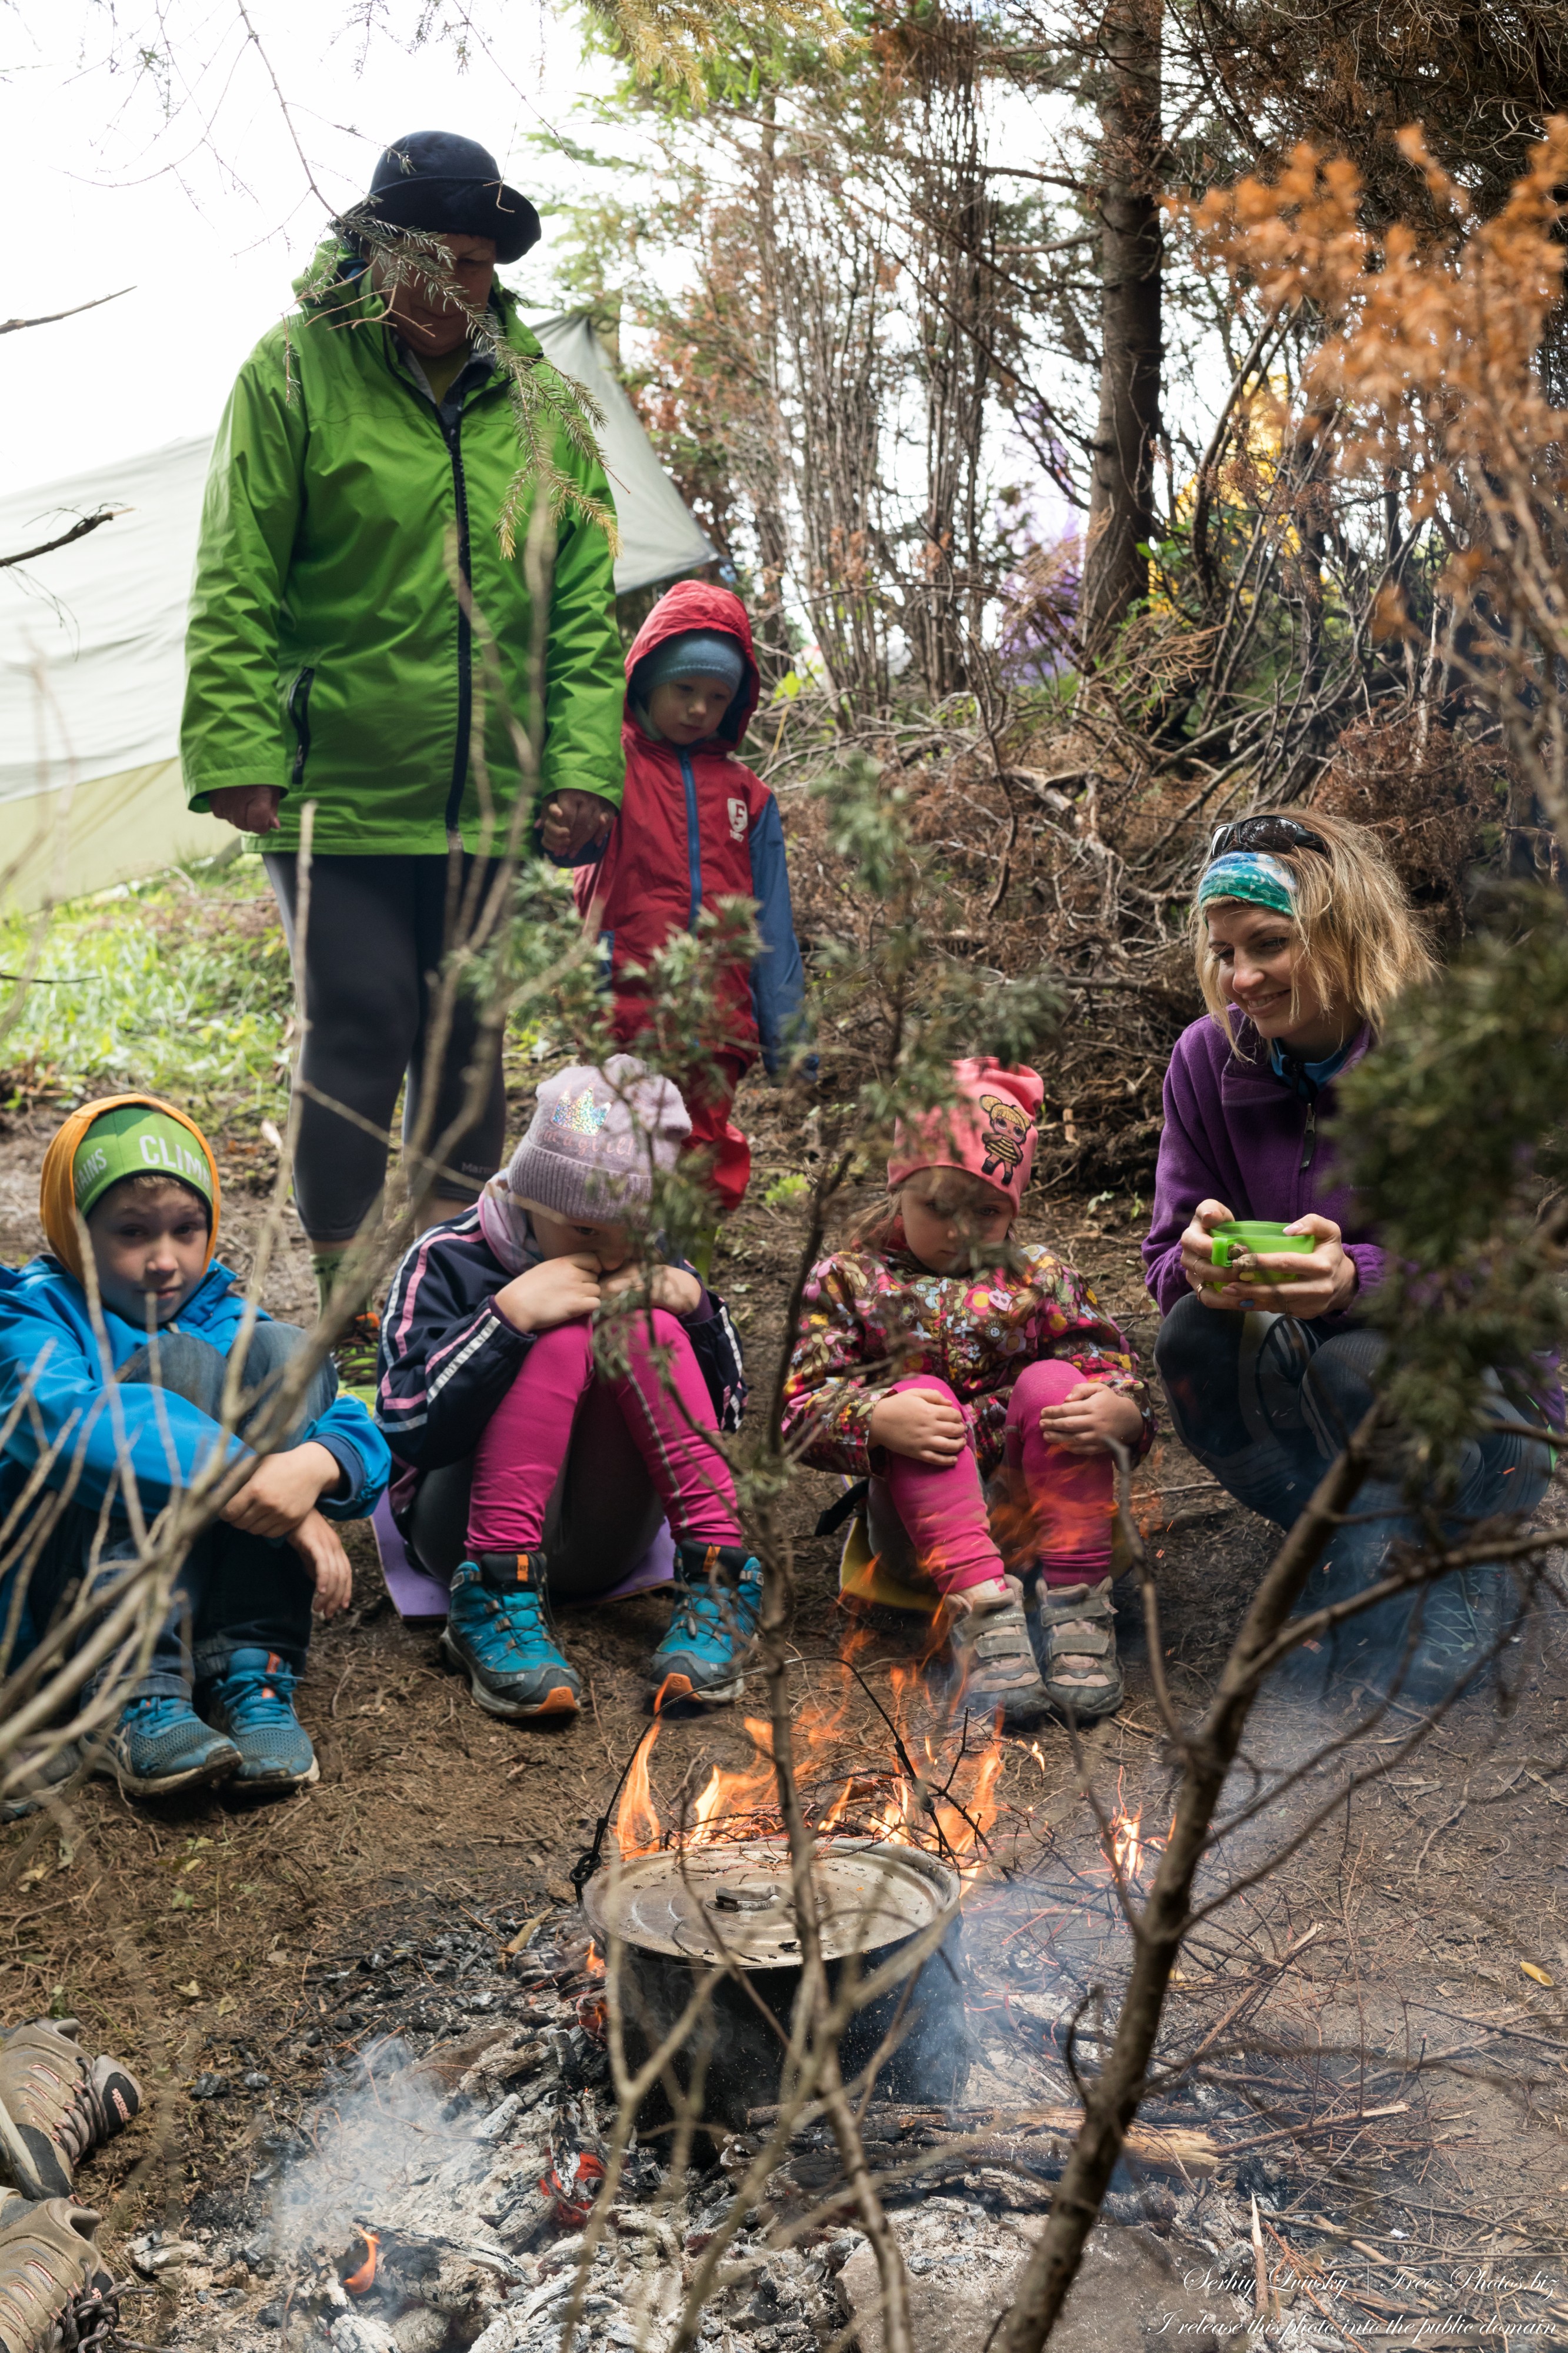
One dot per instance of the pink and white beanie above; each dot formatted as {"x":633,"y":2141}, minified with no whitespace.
{"x":590,"y":1153}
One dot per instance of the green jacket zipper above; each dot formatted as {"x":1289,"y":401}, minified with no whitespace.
{"x":453,"y":434}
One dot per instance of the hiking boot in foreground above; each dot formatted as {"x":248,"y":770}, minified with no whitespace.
{"x":253,"y":1702}
{"x":718,"y":1608}
{"x":159,"y":1746}
{"x":499,"y":1632}
{"x":59,"y":2101}
{"x":33,"y":1773}
{"x":991,"y":1661}
{"x":55,"y":2294}
{"x":1076,"y":1626}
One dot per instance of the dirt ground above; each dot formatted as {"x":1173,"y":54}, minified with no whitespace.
{"x":185,"y":1937}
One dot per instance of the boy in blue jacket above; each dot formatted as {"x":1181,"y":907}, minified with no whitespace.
{"x":90,"y":1414}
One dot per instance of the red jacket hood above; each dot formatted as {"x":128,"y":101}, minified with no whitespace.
{"x":698,"y":605}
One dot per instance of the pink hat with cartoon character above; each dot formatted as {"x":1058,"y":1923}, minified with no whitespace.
{"x":989,"y":1132}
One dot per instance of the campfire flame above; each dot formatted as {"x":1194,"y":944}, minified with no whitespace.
{"x":638,"y":1827}
{"x":1127,"y":1849}
{"x":359,"y":2281}
{"x":940,"y":1795}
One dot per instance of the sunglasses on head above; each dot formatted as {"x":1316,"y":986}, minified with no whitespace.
{"x":1265,"y":833}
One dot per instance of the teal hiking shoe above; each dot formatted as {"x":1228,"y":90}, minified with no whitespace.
{"x":499,"y":1633}
{"x":718,"y":1608}
{"x":161,"y":1745}
{"x":253,"y":1702}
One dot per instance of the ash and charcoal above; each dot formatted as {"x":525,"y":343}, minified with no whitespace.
{"x":468,"y":2133}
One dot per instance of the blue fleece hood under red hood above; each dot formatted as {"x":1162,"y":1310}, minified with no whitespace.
{"x":698,"y":605}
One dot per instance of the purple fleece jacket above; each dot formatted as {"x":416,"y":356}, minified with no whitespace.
{"x":1235,"y":1132}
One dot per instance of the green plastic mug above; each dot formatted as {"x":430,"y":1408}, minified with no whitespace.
{"x":1257,"y":1236}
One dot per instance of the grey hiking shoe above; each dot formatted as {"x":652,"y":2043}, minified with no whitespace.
{"x":992,"y":1663}
{"x":57,"y":2103}
{"x":1077,"y":1631}
{"x":55,"y":2294}
{"x":33,"y":1772}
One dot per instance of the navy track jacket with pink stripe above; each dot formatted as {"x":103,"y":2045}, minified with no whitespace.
{"x":447,"y":1358}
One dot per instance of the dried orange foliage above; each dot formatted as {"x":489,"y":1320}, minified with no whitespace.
{"x":1428,"y":385}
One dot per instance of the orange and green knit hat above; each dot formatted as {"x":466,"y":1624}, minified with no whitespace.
{"x":117,"y":1136}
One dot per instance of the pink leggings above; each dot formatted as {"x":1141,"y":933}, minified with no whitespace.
{"x":1058,"y":1508}
{"x":525,"y":1442}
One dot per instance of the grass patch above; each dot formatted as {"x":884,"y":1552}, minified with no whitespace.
{"x":180,"y":984}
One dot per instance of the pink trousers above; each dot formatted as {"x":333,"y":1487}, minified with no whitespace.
{"x":664,"y":1403}
{"x":1056,"y":1507}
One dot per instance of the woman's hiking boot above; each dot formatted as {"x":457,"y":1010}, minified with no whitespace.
{"x":161,"y":1746}
{"x":57,"y":2103}
{"x":253,"y":1702}
{"x":718,"y":1609}
{"x":1460,"y":1624}
{"x":55,"y":2294}
{"x":499,"y":1632}
{"x":991,"y":1663}
{"x":1076,"y":1630}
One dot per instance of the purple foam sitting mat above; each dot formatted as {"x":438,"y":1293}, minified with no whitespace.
{"x":420,"y":1599}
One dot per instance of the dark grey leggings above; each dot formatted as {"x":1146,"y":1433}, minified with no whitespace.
{"x":1266,"y":1403}
{"x":374,"y":948}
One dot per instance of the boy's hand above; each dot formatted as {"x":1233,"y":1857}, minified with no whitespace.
{"x":921,"y":1424}
{"x":320,"y":1546}
{"x":253,"y":809}
{"x":283,"y":1490}
{"x":558,"y":1291}
{"x":570,"y":820}
{"x":1088,"y":1416}
{"x":669,"y":1287}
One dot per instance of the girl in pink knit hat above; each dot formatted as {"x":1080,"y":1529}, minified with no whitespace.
{"x":976,"y":1402}
{"x":536,"y":1471}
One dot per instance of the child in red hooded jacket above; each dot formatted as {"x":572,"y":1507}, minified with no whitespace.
{"x":695,"y":826}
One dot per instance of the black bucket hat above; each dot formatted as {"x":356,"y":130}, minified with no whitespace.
{"x":450,"y":188}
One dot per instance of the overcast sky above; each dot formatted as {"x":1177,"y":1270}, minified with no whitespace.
{"x":190,"y":189}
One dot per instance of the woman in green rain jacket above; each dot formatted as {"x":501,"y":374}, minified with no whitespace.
{"x":368,"y":447}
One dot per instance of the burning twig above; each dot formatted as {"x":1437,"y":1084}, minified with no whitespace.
{"x":359,"y":2281}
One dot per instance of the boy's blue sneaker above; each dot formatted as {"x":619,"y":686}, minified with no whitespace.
{"x":253,"y":1702}
{"x":499,"y":1632}
{"x":161,"y":1745}
{"x":718,"y":1608}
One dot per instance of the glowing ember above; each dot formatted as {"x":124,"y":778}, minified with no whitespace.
{"x":359,"y":2281}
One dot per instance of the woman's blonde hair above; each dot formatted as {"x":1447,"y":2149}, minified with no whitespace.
{"x":1363,"y":942}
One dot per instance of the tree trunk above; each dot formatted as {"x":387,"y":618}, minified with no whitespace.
{"x":1122,"y":498}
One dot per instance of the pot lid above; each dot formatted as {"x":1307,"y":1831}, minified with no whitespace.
{"x":711,"y":1901}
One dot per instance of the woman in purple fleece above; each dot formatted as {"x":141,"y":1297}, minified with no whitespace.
{"x":1303,"y":938}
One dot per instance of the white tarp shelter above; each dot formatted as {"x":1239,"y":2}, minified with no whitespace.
{"x":93,"y":636}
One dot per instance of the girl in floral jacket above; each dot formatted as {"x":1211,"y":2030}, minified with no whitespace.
{"x":978,"y":1401}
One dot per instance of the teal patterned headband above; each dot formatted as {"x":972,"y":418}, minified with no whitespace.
{"x":1250,"y":875}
